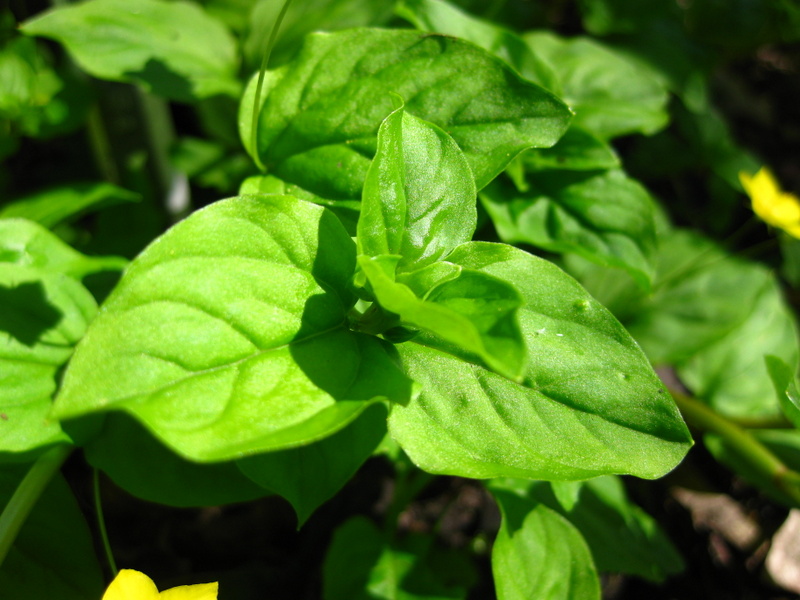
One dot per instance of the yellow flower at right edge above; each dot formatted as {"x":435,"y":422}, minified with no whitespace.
{"x":772,"y":205}
{"x":133,"y":585}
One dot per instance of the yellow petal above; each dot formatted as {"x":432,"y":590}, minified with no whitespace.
{"x":202,"y":591}
{"x":131,"y":585}
{"x":772,"y":205}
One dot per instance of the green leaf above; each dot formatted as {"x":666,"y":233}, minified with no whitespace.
{"x":320,"y":114}
{"x":53,"y":556}
{"x":419,"y":195}
{"x":610,"y":94}
{"x":158,"y":474}
{"x":589,"y":403}
{"x":441,"y":17}
{"x":539,"y":554}
{"x":603,"y":216}
{"x":578,"y":150}
{"x":310,"y":475}
{"x":66,"y":203}
{"x":43,"y":314}
{"x":473,"y":311}
{"x":784,"y":379}
{"x":173,"y":49}
{"x":362,"y":564}
{"x":27,"y":244}
{"x":731,"y":374}
{"x":227,"y":336}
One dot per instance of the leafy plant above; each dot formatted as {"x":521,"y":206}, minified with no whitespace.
{"x":431,"y":254}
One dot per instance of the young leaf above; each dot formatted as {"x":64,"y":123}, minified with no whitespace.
{"x":419,"y":195}
{"x":321,"y":112}
{"x":539,"y":554}
{"x":172,"y":48}
{"x":43,"y":314}
{"x":589,"y":403}
{"x":310,"y":475}
{"x":610,"y":94}
{"x":227,"y":336}
{"x":473,"y":311}
{"x":25,"y":243}
{"x":66,"y":203}
{"x":603,"y":216}
{"x":53,"y":556}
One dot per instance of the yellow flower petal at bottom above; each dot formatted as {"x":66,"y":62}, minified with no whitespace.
{"x":202,"y":591}
{"x":131,"y":585}
{"x":772,"y":205}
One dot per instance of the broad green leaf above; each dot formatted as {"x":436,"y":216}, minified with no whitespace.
{"x":173,"y":49}
{"x":473,"y":311}
{"x":159,"y":475}
{"x":699,"y":295}
{"x":43,"y":314}
{"x":362,"y":564}
{"x":66,"y":203}
{"x":577,"y":150}
{"x":227,"y":336}
{"x":346,"y":210}
{"x":28,"y":244}
{"x":442,"y":17}
{"x":784,"y":378}
{"x":320,"y":114}
{"x":419,"y":194}
{"x":731,"y":374}
{"x":53,"y":556}
{"x":589,"y":403}
{"x":610,"y":94}
{"x":539,"y":554}
{"x":310,"y":475}
{"x":603,"y":216}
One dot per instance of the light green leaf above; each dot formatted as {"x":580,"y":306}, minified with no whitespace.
{"x":784,"y":378}
{"x":227,"y":336}
{"x":171,"y":48}
{"x":605,"y":217}
{"x":610,"y":94}
{"x":442,"y":17}
{"x":27,"y":244}
{"x":473,"y":311}
{"x":43,"y":314}
{"x":158,"y":474}
{"x":589,"y":403}
{"x":321,"y":112}
{"x":577,"y":150}
{"x":539,"y":554}
{"x":66,"y":203}
{"x":310,"y":475}
{"x":419,"y":195}
{"x":53,"y":556}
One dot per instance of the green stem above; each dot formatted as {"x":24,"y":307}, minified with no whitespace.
{"x":261,"y":72}
{"x":26,"y":495}
{"x":101,"y":523}
{"x":745,"y":445}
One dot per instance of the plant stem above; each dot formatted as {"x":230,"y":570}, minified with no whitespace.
{"x":26,"y":495}
{"x":759,"y":456}
{"x":101,"y":523}
{"x":257,"y":102}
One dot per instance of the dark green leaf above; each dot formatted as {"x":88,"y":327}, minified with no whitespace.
{"x":603,"y":216}
{"x":227,"y":336}
{"x":539,"y":554}
{"x":589,"y":403}
{"x":53,"y":556}
{"x":172,"y":48}
{"x":419,"y":195}
{"x":310,"y":475}
{"x":159,"y":475}
{"x":578,"y":150}
{"x":473,"y":311}
{"x":320,"y":113}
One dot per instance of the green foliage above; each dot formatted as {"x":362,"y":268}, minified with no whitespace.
{"x":351,"y":301}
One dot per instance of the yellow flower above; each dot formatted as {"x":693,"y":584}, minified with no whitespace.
{"x":773,"y":206}
{"x":133,"y":585}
